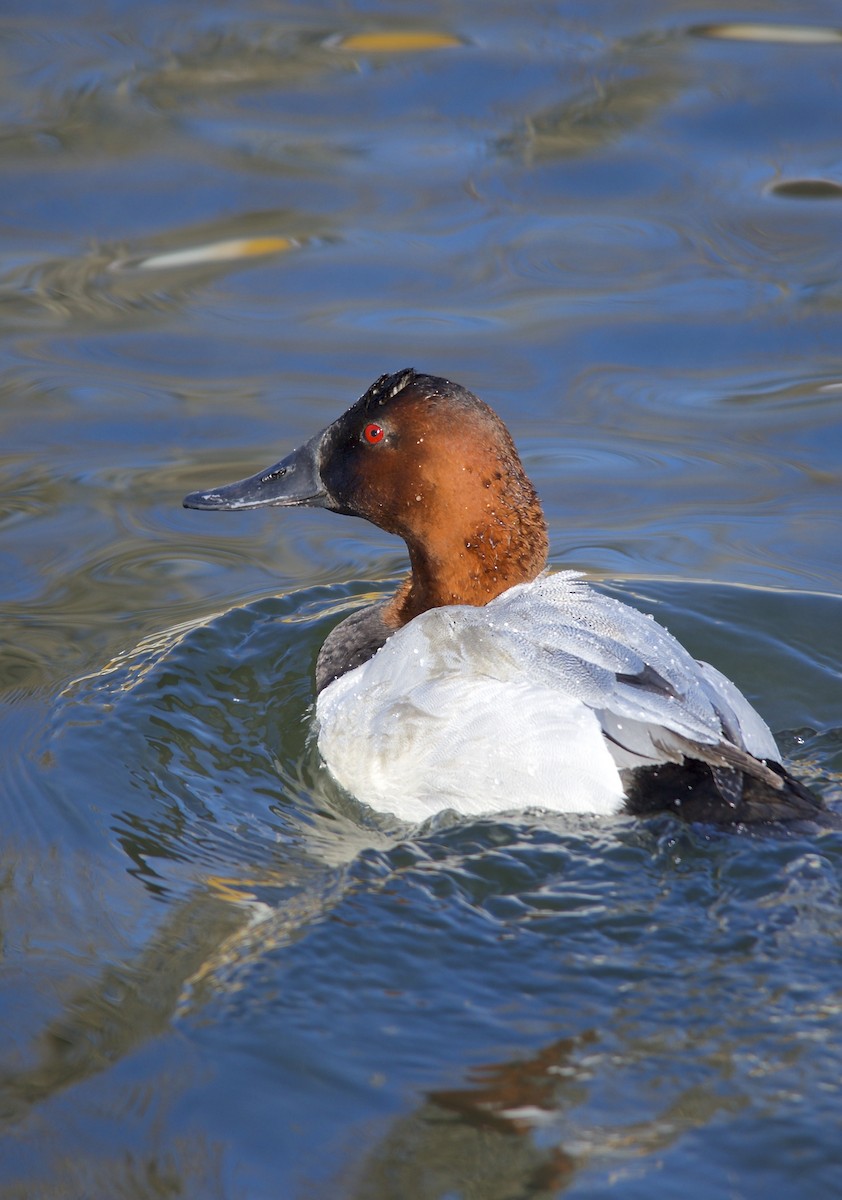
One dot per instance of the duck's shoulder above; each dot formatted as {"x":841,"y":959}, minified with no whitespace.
{"x":357,"y":638}
{"x":351,"y":643}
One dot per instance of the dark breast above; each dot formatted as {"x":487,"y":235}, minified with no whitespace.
{"x":353,"y":642}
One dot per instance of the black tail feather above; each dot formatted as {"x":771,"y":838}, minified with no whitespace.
{"x":700,"y":792}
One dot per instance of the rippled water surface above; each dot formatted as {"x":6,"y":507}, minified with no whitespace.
{"x":622,"y":226}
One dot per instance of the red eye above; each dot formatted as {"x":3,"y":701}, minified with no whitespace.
{"x":374,"y":434}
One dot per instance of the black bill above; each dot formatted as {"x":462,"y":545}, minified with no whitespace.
{"x":294,"y":480}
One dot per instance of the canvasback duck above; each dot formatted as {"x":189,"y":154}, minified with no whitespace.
{"x":485,"y":684}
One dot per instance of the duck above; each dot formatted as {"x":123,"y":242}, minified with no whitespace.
{"x":487,"y":683}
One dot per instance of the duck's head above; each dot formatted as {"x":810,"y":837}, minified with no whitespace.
{"x":425,"y":459}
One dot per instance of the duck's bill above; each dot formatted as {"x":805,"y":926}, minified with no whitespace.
{"x":293,"y":480}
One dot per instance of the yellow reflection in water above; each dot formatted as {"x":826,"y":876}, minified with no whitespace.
{"x":232,"y":248}
{"x":397,"y":41}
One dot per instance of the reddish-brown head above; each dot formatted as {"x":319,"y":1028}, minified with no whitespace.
{"x":425,"y":459}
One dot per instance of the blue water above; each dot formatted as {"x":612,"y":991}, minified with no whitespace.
{"x":222,"y":977}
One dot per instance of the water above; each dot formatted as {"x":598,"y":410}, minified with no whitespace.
{"x":222,"y":977}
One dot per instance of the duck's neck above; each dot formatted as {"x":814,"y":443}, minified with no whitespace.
{"x":504,"y":546}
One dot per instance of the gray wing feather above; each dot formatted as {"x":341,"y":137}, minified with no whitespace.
{"x":652,"y":696}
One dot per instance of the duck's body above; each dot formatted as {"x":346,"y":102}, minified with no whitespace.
{"x":550,"y":696}
{"x":484,"y":684}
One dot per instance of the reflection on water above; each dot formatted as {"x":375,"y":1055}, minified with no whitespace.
{"x":222,"y":976}
{"x":605,"y":113}
{"x":112,"y":284}
{"x":501,"y":1135}
{"x":792,"y":35}
{"x":808,"y":189}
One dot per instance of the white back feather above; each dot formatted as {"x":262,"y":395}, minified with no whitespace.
{"x":506,"y":706}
